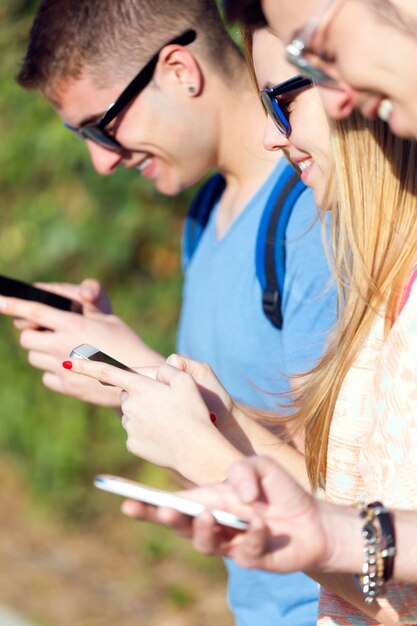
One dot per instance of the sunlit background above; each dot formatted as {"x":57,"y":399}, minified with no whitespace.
{"x":67,"y":556}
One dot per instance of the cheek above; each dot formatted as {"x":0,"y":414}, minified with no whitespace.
{"x":303,"y":130}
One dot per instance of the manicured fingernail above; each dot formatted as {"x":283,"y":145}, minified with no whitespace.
{"x":67,"y":365}
{"x":213,"y":417}
{"x":3,"y":305}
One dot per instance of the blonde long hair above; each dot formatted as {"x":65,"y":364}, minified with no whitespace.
{"x":374,"y":239}
{"x":372,"y":193}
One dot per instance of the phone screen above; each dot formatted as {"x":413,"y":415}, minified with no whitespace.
{"x":105,"y":358}
{"x":91,"y":353}
{"x":24,"y":291}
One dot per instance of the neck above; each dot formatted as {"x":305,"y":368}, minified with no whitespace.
{"x":240,"y":155}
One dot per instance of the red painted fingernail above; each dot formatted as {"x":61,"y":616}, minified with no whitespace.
{"x":213,"y":418}
{"x":67,"y":365}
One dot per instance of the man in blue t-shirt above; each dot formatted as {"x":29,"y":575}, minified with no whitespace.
{"x":223,"y":324}
{"x":186,"y":111}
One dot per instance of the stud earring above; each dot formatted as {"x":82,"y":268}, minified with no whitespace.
{"x":191,"y":88}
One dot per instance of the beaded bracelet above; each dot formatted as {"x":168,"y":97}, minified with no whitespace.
{"x":378,"y":551}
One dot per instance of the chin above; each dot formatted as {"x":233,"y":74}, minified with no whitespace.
{"x":168,"y":187}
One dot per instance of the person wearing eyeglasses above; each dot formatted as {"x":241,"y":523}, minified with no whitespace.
{"x":360,"y":51}
{"x":160,"y":88}
{"x":358,"y":405}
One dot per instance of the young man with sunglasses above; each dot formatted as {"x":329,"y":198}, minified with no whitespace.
{"x":359,"y":51}
{"x":187,"y":110}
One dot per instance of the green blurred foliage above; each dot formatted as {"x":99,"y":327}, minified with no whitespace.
{"x":60,"y":220}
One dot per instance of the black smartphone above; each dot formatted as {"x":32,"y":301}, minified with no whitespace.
{"x":91,"y":353}
{"x":24,"y":291}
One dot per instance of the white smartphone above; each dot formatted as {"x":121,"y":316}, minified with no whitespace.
{"x":136,"y":491}
{"x":91,"y":353}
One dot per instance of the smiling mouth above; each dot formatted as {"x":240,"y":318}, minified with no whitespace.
{"x":303,"y":165}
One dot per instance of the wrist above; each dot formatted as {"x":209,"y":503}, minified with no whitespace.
{"x":342,"y":529}
{"x":212,"y":460}
{"x":235,"y":425}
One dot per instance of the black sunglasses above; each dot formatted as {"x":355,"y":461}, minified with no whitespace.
{"x":276,"y":100}
{"x":97,"y":131}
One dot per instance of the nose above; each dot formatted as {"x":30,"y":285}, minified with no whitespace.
{"x":338,"y":103}
{"x":105,"y":162}
{"x":273,"y":138}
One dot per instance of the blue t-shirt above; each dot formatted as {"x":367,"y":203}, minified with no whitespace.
{"x":223,"y":324}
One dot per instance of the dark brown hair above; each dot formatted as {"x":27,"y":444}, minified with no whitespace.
{"x":112,"y":38}
{"x":247,"y":13}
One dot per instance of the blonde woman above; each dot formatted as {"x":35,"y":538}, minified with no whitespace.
{"x":358,"y":405}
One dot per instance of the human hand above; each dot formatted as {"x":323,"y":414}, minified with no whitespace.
{"x":286,"y":531}
{"x":182,"y":523}
{"x":90,"y":294}
{"x":166,"y":419}
{"x":217,"y":399}
{"x":266,"y":544}
{"x":231,"y":419}
{"x":289,"y":530}
{"x":50,"y":335}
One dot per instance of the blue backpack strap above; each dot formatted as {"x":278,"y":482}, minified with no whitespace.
{"x":199,"y":213}
{"x":270,"y":245}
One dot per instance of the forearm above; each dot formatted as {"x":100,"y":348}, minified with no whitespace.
{"x":343,"y":529}
{"x":250,"y":437}
{"x":405,"y":564}
{"x":209,"y":463}
{"x":344,"y":586}
{"x":146,"y":356}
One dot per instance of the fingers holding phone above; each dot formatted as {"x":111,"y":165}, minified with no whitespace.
{"x":49,"y":326}
{"x":178,"y":522}
{"x":34,"y":314}
{"x":173,"y":509}
{"x":29,"y":304}
{"x":162,"y":419}
{"x":87,"y":297}
{"x":90,"y":293}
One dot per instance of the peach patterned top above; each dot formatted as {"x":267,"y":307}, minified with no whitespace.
{"x":372,"y":452}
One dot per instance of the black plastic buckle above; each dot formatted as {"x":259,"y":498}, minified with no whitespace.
{"x":271,"y":304}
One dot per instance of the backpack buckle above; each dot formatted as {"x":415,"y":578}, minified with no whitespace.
{"x":271,"y":304}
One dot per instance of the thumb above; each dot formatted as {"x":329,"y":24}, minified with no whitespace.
{"x":180,"y":362}
{"x":197,"y":369}
{"x":94,"y":296}
{"x":247,"y":476}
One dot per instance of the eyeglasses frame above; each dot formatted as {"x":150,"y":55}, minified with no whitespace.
{"x":270,"y":99}
{"x":301,"y":44}
{"x":133,"y":89}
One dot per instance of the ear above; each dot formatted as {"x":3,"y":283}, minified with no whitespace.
{"x":178,"y":67}
{"x":338,"y":102}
